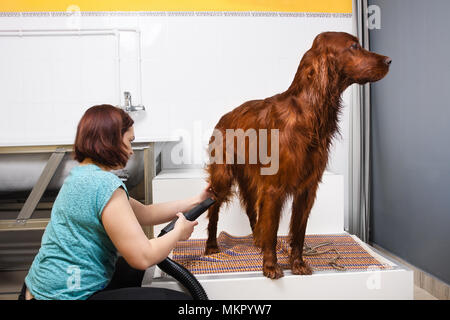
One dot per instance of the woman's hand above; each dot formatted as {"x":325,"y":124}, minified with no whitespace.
{"x":206,"y":193}
{"x":184,"y":227}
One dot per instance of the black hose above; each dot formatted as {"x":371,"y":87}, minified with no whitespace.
{"x":176,"y":270}
{"x":185,"y":277}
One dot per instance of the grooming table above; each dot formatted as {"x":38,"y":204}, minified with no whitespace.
{"x":236,"y":271}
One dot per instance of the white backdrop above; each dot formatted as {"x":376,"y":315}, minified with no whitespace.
{"x":187,"y":69}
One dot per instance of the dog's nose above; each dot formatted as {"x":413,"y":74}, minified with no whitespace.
{"x":387,"y":60}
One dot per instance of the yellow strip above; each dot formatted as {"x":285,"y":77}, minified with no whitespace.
{"x":330,"y":6}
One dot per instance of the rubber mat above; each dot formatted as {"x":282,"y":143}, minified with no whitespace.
{"x":238,"y":254}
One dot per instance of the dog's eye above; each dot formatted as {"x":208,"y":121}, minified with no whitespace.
{"x":355,"y":46}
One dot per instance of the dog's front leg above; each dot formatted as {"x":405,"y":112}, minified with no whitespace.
{"x":267,"y":227}
{"x":301,"y":207}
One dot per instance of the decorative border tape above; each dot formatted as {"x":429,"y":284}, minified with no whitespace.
{"x":342,"y":6}
{"x":177,"y":14}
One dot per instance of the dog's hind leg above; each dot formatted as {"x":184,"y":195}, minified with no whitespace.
{"x":251,"y":210}
{"x":248,"y":201}
{"x":213,"y":216}
{"x":221,"y":182}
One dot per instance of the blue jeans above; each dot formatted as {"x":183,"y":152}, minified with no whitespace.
{"x":126,"y":285}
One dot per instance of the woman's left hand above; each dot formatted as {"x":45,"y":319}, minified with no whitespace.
{"x":206,"y":193}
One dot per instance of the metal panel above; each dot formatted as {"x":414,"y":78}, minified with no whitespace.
{"x":410,"y":135}
{"x":41,"y":185}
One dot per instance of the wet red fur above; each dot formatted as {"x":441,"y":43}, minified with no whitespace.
{"x":306,"y":115}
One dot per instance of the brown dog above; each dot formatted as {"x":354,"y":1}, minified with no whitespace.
{"x":306,"y":119}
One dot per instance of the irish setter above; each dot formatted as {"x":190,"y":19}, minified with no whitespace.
{"x":306,"y":116}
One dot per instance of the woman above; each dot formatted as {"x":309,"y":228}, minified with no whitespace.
{"x":93,"y":218}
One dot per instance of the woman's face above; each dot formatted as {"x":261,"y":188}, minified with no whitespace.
{"x":128,"y":137}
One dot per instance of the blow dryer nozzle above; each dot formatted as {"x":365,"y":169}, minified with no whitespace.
{"x":191,"y":215}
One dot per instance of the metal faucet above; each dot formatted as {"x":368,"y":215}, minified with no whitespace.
{"x":128,"y":104}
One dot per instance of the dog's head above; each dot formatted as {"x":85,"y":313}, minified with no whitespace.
{"x":342,"y":54}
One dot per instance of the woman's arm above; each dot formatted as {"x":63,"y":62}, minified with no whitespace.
{"x":126,"y":233}
{"x":158,"y":213}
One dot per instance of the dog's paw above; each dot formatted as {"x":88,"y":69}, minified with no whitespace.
{"x":301,"y":267}
{"x":211,"y":250}
{"x":257,"y":243}
{"x":273,"y":272}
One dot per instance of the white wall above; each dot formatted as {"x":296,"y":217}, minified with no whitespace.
{"x":193,"y":70}
{"x":226,"y":61}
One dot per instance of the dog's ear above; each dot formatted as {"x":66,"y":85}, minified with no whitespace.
{"x":317,"y":73}
{"x":322,"y":73}
{"x":323,"y":69}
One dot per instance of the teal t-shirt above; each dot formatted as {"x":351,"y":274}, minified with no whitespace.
{"x":76,"y":258}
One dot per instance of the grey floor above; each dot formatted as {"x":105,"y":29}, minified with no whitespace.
{"x":421,"y":294}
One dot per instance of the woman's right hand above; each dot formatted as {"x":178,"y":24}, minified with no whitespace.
{"x":184,"y":227}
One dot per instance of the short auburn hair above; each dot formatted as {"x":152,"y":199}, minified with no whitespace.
{"x":100,"y":136}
